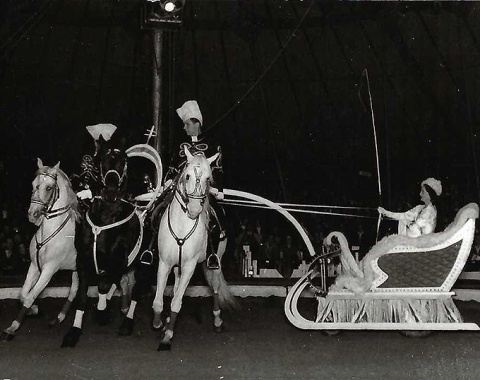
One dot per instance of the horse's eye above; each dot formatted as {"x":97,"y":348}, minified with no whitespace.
{"x":49,"y":188}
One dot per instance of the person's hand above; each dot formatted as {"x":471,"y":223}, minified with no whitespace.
{"x":220,"y":196}
{"x":85,"y":194}
{"x":381,"y":211}
{"x":167,"y":184}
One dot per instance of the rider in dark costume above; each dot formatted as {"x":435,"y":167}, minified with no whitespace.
{"x":196,"y":144}
{"x":87,"y":183}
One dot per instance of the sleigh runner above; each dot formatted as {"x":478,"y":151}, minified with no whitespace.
{"x":403,"y":283}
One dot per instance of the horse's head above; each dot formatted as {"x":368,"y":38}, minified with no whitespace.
{"x":113,"y":171}
{"x":195,"y":182}
{"x":45,"y":192}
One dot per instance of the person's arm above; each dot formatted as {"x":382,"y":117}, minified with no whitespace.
{"x":172,"y":169}
{"x":407,"y":216}
{"x":85,"y":183}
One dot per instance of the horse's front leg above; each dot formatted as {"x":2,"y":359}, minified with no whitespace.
{"x":33,"y":276}
{"x":180,"y":288}
{"x":162,"y":277}
{"x":72,"y":337}
{"x":127,"y":284}
{"x":106,"y":288}
{"x":134,"y":289}
{"x":66,"y":306}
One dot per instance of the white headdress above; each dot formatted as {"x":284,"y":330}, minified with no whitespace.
{"x":435,"y":184}
{"x":105,"y":130}
{"x":190,"y":109}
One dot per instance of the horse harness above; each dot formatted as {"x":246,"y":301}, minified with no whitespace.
{"x":50,"y":213}
{"x":96,"y":230}
{"x":183,"y":201}
{"x":121,"y":177}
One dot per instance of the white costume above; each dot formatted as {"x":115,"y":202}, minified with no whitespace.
{"x":421,"y":219}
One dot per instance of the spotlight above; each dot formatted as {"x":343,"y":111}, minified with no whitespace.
{"x":160,"y":14}
{"x":172,"y":6}
{"x":169,"y":6}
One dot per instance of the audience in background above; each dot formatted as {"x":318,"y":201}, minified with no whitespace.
{"x":14,"y":255}
{"x":273,"y":241}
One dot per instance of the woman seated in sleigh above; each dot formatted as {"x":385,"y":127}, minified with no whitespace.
{"x":415,"y":237}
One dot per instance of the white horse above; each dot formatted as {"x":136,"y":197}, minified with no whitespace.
{"x":182,"y":241}
{"x":53,"y":208}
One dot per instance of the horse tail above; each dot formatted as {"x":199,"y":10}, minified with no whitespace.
{"x":215,"y":279}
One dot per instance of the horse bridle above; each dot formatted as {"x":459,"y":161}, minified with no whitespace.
{"x":121,"y":178}
{"x":47,"y":209}
{"x":50,"y":213}
{"x":195,"y":194}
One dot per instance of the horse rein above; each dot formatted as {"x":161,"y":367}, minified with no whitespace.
{"x":50,"y":213}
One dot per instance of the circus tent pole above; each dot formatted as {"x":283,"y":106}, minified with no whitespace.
{"x":157,"y":39}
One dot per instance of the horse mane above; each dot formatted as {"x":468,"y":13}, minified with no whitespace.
{"x":72,"y":199}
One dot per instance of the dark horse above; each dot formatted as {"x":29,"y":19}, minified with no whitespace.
{"x":107,"y":242}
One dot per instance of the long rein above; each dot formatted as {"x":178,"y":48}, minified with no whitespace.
{"x":50,"y":213}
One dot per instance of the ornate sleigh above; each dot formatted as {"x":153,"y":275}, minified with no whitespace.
{"x":402,"y":284}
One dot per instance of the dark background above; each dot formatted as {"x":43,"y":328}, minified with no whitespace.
{"x":288,"y":101}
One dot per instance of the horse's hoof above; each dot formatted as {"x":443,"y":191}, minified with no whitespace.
{"x":6,"y":336}
{"x":102,"y":317}
{"x":54,"y":322}
{"x":72,"y":337}
{"x":126,"y":328}
{"x":157,"y":324}
{"x":34,"y":312}
{"x":219,"y":329}
{"x":198,"y":316}
{"x":164,"y":346}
